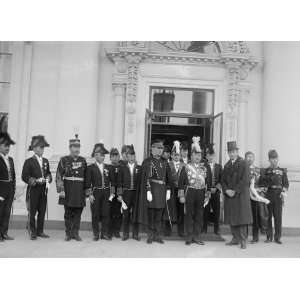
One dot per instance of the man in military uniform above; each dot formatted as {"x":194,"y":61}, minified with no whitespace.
{"x":100,"y":187}
{"x":193,"y":189}
{"x":7,"y":184}
{"x":153,"y":192}
{"x":129,"y":178}
{"x":184,"y":152}
{"x":36,"y":173}
{"x":276,"y":181}
{"x":70,"y":184}
{"x":116,"y":216}
{"x":166,"y":153}
{"x":235,"y":186}
{"x":213,"y":206}
{"x":124,"y":159}
{"x":258,"y":202}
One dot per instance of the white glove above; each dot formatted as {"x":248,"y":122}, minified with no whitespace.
{"x":120,"y":198}
{"x":62,"y":194}
{"x":47,"y":184}
{"x":168,"y":196}
{"x":149,"y":196}
{"x":124,"y":206}
{"x":40,"y":180}
{"x":91,"y":198}
{"x":111,"y":197}
{"x":1,"y":199}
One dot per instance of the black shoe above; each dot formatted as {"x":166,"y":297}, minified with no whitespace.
{"x":254,"y":241}
{"x":149,"y":240}
{"x":43,"y":235}
{"x":33,"y":236}
{"x":243,"y":245}
{"x":105,"y":237}
{"x":232,"y":243}
{"x":198,"y":242}
{"x":117,"y":235}
{"x":67,"y":238}
{"x":77,"y":238}
{"x":7,"y":237}
{"x":158,"y":240}
{"x":268,"y":240}
{"x":188,"y":243}
{"x":136,"y":237}
{"x":96,"y":238}
{"x":278,"y":241}
{"x":125,"y":237}
{"x":1,"y":239}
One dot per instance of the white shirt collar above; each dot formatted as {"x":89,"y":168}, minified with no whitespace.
{"x":100,"y":166}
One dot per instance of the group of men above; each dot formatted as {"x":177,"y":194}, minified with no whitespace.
{"x":180,"y":186}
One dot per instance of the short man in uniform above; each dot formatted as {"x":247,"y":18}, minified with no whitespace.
{"x":101,"y":191}
{"x":36,"y":173}
{"x":116,"y":216}
{"x":129,"y":178}
{"x":166,"y":153}
{"x":235,"y":186}
{"x":193,"y":190}
{"x":258,"y":202}
{"x":70,"y":184}
{"x":7,"y":184}
{"x":276,"y":181}
{"x":184,"y":152}
{"x":153,"y":193}
{"x":213,"y":205}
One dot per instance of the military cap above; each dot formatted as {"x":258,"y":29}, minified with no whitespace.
{"x":74,"y":142}
{"x":184,"y":146}
{"x":114,"y":151}
{"x":210,"y":149}
{"x":6,"y":139}
{"x":167,"y":149}
{"x":273,"y":154}
{"x":195,"y":147}
{"x":131,"y":150}
{"x":124,"y":149}
{"x":157,"y":142}
{"x":99,"y":148}
{"x":38,"y":141}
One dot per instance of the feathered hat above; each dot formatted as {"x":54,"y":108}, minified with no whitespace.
{"x":38,"y":140}
{"x":4,"y":136}
{"x":74,"y":142}
{"x":176,"y":147}
{"x":195,"y":148}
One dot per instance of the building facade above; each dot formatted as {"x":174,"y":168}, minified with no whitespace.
{"x":127,"y":92}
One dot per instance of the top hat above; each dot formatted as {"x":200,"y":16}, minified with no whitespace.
{"x":38,"y":141}
{"x":273,"y":154}
{"x":114,"y":151}
{"x":131,"y":150}
{"x":195,"y":148}
{"x":99,"y":148}
{"x":232,"y":146}
{"x":74,"y":142}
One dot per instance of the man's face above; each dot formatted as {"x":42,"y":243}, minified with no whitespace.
{"x":196,"y":157}
{"x":75,"y":150}
{"x":115,"y":159}
{"x":39,"y":151}
{"x":157,"y":150}
{"x":250,"y":158}
{"x":99,"y":157}
{"x":233,"y":154}
{"x":210,"y":157}
{"x":4,"y":148}
{"x":166,"y":155}
{"x":175,"y":157}
{"x":184,"y":153}
{"x":274,"y":161}
{"x":131,"y":158}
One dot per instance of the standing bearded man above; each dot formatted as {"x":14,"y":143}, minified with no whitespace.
{"x":235,"y":185}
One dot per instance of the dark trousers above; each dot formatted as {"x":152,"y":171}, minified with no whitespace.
{"x":72,"y":220}
{"x":239,"y":233}
{"x":129,"y":197}
{"x":154,"y":222}
{"x":275,"y":211}
{"x":180,"y":217}
{"x":214,"y":207}
{"x":37,"y":204}
{"x":5,"y":209}
{"x":256,"y":220}
{"x":194,"y":202}
{"x":116,"y":216}
{"x":101,"y":210}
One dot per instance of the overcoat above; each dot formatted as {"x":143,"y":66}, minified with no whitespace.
{"x":237,"y":209}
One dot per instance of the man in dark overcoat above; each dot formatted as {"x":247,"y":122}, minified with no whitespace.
{"x":235,"y":185}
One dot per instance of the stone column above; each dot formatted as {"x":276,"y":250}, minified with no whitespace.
{"x":119,"y":114}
